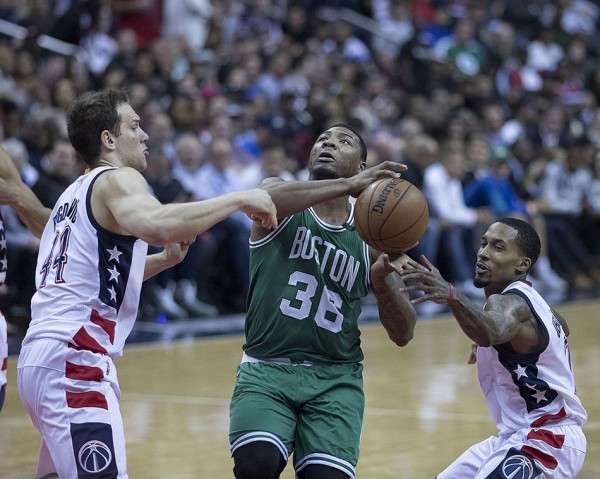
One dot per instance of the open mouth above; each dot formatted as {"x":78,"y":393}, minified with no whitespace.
{"x":325,"y":155}
{"x":481,"y":268}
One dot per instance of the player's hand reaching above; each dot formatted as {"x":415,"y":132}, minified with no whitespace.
{"x":259,"y":207}
{"x":426,"y":278}
{"x":382,"y":267}
{"x":387,"y":169}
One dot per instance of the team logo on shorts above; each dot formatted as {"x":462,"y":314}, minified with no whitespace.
{"x":518,"y":467}
{"x":94,"y":456}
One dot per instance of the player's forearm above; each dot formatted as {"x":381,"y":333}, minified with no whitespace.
{"x":157,"y":263}
{"x":479,"y":325}
{"x":30,"y":210}
{"x":290,"y":197}
{"x":174,"y":223}
{"x":396,"y":312}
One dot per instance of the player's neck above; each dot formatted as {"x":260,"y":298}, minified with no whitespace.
{"x":334,"y":212}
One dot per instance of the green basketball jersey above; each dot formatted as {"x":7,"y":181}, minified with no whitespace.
{"x":306,"y":282}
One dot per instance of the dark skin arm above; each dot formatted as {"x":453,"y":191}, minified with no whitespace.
{"x":396,"y":312}
{"x":504,"y":319}
{"x":20,"y":198}
{"x":290,"y":197}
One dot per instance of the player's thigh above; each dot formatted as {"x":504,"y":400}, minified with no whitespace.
{"x":553,"y":452}
{"x":470,"y":461}
{"x":523,"y":455}
{"x":330,"y":424}
{"x":82,"y":435}
{"x":261,"y":408}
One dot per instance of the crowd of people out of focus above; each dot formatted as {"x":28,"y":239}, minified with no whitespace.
{"x":494,"y":105}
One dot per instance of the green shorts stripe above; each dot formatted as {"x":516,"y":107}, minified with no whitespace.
{"x":326,"y":460}
{"x":260,"y":436}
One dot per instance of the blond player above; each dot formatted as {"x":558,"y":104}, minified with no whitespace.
{"x":91,"y":263}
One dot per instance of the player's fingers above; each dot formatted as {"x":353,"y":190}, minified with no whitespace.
{"x":393,"y":166}
{"x":419,"y":300}
{"x":428,"y":263}
{"x":269,"y":221}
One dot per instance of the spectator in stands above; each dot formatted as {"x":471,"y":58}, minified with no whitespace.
{"x":493,"y":189}
{"x":216,"y":177}
{"x":59,"y":168}
{"x":189,"y":20}
{"x":563,"y":190}
{"x":141,"y":16}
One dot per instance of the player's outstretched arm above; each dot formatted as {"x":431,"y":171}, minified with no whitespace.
{"x":121,"y":203}
{"x":15,"y":193}
{"x":499,"y":322}
{"x":290,"y":197}
{"x":396,"y":312}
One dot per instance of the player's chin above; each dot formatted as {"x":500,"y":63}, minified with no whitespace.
{"x":324,"y":171}
{"x":479,"y":283}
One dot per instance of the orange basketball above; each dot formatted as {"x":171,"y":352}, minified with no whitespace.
{"x":391,"y":215}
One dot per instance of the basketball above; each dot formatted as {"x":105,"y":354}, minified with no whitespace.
{"x":391,"y":215}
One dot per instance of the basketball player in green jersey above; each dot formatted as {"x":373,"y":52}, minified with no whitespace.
{"x":299,"y":387}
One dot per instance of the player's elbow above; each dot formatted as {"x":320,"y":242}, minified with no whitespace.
{"x":402,"y":340}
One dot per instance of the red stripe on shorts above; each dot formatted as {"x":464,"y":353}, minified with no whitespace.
{"x":83,"y":340}
{"x":106,"y":324}
{"x":546,"y":459}
{"x":85,"y":373}
{"x":554,"y":440}
{"x":549,"y":417}
{"x":4,"y":364}
{"x":87,"y":399}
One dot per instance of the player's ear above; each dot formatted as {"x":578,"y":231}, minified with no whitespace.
{"x":107,"y":139}
{"x":524,"y":264}
{"x":362,"y":166}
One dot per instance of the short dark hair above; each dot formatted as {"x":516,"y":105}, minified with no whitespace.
{"x":363,"y":146}
{"x":527,"y":239}
{"x":89,"y":115}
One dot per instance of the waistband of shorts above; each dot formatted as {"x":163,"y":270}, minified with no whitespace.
{"x":246,"y":358}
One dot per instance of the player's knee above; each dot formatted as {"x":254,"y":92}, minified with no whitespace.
{"x":258,"y":460}
{"x":318,"y":471}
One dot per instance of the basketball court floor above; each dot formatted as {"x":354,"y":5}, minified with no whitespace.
{"x":424,"y":406}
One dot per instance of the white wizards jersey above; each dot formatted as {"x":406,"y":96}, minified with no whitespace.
{"x":534,"y":389}
{"x":88,"y":279}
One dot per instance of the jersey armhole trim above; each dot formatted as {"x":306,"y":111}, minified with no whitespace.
{"x":545,"y":340}
{"x":102,"y":232}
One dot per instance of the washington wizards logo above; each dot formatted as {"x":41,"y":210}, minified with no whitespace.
{"x":94,"y":456}
{"x":518,"y":467}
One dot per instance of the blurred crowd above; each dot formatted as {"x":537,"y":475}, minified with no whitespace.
{"x":494,"y":105}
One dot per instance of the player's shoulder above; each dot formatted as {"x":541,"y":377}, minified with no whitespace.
{"x":118,"y":178}
{"x":510,"y":303}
